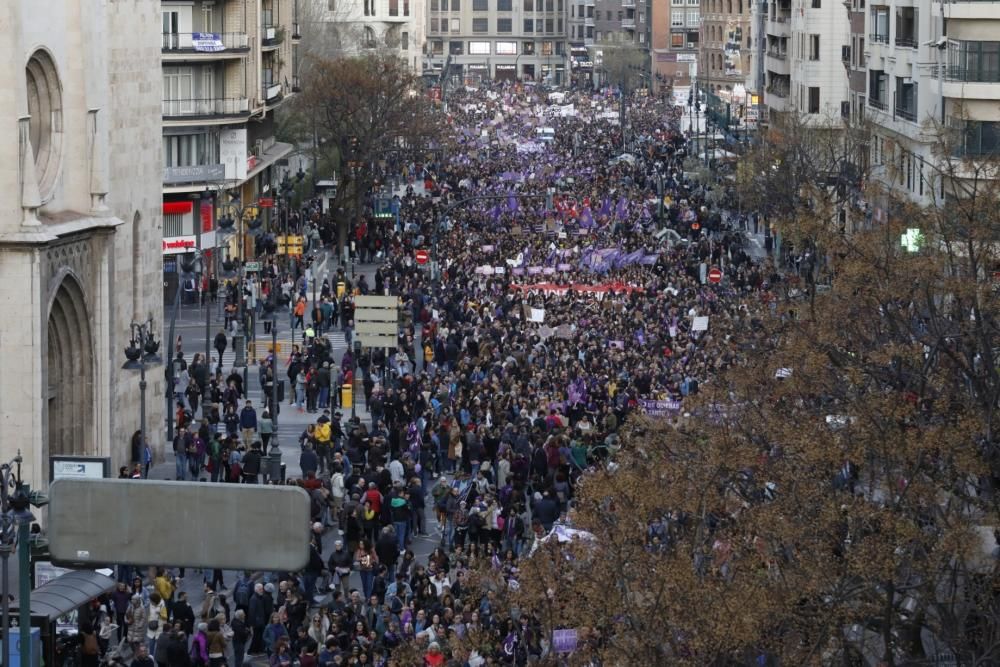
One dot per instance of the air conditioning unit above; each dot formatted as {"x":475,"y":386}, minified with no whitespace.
{"x":692,"y":45}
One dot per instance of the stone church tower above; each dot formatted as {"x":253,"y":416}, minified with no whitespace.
{"x":80,"y":226}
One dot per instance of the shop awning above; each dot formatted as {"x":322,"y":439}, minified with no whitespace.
{"x":66,"y":593}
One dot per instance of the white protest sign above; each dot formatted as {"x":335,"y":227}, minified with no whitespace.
{"x":700,"y":323}
{"x":537,"y":315}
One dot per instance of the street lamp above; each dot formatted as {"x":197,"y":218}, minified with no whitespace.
{"x":15,"y":533}
{"x":247,"y":217}
{"x":142,"y":350}
{"x":271,"y":313}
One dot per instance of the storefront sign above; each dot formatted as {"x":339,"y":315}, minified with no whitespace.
{"x":176,"y":245}
{"x":194,"y":174}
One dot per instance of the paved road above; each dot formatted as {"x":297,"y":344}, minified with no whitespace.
{"x":191,"y":326}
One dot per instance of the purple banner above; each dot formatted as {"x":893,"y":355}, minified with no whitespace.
{"x":659,"y":408}
{"x":564,"y":641}
{"x":518,"y":271}
{"x":534,"y":270}
{"x":565,"y":267}
{"x":549,"y":270}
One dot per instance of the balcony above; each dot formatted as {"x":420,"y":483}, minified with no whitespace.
{"x":206,"y":108}
{"x":881,"y":105}
{"x":906,"y":42}
{"x":780,"y":93}
{"x":178,"y":46}
{"x":973,"y":9}
{"x":628,"y":3}
{"x":776,"y":54}
{"x":973,"y":75}
{"x":628,"y":24}
{"x":878,"y":38}
{"x":271,"y":37}
{"x":907,"y":113}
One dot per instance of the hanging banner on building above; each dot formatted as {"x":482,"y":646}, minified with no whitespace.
{"x":233,"y":153}
{"x":208,"y":42}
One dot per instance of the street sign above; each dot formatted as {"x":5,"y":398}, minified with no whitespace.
{"x":251,"y":267}
{"x":266,"y":202}
{"x":422,"y":257}
{"x":383,"y":208}
{"x":376,"y":321}
{"x":715,"y":275}
{"x":80,"y":533}
{"x":289,"y":245}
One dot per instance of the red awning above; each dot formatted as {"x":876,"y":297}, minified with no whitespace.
{"x":177,"y":207}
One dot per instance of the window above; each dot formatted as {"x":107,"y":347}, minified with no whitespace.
{"x":642,"y":38}
{"x":529,"y":26}
{"x":434,"y":5}
{"x":456,"y":25}
{"x":393,"y":7}
{"x":437,"y":48}
{"x":816,"y":4}
{"x":559,"y":26}
{"x":506,"y":48}
{"x":479,"y":48}
{"x":505,"y":26}
{"x":677,"y":19}
{"x":528,"y":48}
{"x":529,"y":5}
{"x":559,"y":6}
{"x":692,"y":18}
{"x":559,"y":48}
{"x":456,"y":5}
{"x":877,"y":93}
{"x":404,"y":41}
{"x":480,"y":25}
{"x":505,"y":5}
{"x":547,"y":48}
{"x":549,"y":26}
{"x":693,"y":3}
{"x":406,"y":7}
{"x":480,"y":5}
{"x":880,"y":25}
{"x":906,"y":98}
{"x":978,"y":62}
{"x":434,"y":24}
{"x":548,"y":5}
{"x":677,"y":40}
{"x":642,"y":17}
{"x":677,"y":3}
{"x":813,"y":100}
{"x":813,"y":47}
{"x":188,"y":150}
{"x":368,"y":41}
{"x":455,"y":47}
{"x":980,"y":137}
{"x":444,"y":5}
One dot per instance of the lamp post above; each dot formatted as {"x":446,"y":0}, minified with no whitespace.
{"x":248,"y":219}
{"x":142,"y":350}
{"x":15,"y":533}
{"x":271,"y":312}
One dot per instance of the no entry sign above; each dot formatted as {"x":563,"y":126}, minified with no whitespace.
{"x":715,"y":275}
{"x":422,"y":256}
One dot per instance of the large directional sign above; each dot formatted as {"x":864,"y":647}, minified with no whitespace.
{"x":376,"y":321}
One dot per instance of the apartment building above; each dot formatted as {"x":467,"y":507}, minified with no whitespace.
{"x":227,"y":65}
{"x":581,"y":38}
{"x":675,"y":37}
{"x":724,"y":51}
{"x":622,"y":21}
{"x":804,"y":60}
{"x":511,"y":40}
{"x":339,"y":27}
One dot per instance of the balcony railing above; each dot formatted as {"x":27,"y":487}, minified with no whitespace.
{"x":907,"y":41}
{"x":973,"y":74}
{"x":777,"y":92}
{"x":878,"y":38}
{"x":217,"y":106}
{"x":878,"y":104}
{"x":907,"y":113}
{"x":271,"y":35}
{"x":775,"y":54}
{"x":628,"y":24}
{"x":628,"y":3}
{"x":204,"y":42}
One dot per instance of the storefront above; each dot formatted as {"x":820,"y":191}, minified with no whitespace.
{"x":581,"y":65}
{"x":180,"y":236}
{"x":505,"y":72}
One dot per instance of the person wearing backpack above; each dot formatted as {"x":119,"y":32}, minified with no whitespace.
{"x":242,"y":591}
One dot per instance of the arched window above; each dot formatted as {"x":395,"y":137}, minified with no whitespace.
{"x":368,"y":40}
{"x":45,"y":126}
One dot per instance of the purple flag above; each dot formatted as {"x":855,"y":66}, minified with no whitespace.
{"x":622,"y":209}
{"x":605,"y":207}
{"x":649,"y":260}
{"x":512,"y":205}
{"x":495,"y":213}
{"x":586,"y":218}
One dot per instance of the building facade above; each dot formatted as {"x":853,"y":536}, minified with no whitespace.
{"x":724,"y":51}
{"x":227,"y":65}
{"x":79,"y":228}
{"x":581,"y":40}
{"x":351,"y":28}
{"x":675,"y":26}
{"x":524,"y":40}
{"x":804,"y":65}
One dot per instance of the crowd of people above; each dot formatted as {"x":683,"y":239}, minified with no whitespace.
{"x":569,"y":292}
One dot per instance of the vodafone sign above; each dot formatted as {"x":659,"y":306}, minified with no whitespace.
{"x":177,"y":245}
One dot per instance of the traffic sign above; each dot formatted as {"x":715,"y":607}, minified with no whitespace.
{"x":422,"y":257}
{"x":266,"y":202}
{"x":715,"y":275}
{"x":252,"y":267}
